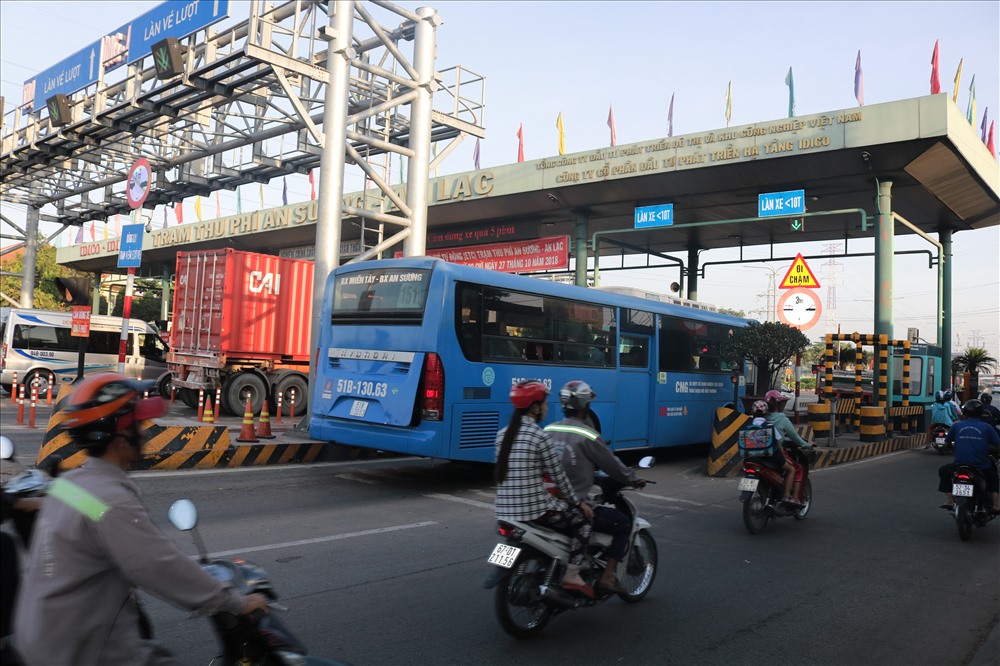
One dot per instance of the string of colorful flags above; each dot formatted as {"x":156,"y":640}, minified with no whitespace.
{"x":986,"y":127}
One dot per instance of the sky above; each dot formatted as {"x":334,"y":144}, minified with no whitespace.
{"x":541,"y":59}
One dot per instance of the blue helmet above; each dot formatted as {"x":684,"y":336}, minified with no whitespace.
{"x":940,"y":396}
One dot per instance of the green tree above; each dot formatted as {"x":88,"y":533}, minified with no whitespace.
{"x":734,"y":313}
{"x":769,"y":346}
{"x":147,"y":298}
{"x":973,"y":360}
{"x":46,"y":296}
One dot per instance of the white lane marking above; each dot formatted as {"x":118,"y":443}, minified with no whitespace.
{"x":259,"y":468}
{"x":669,"y":499}
{"x":355,"y":477}
{"x":335,"y":537}
{"x":460,"y":500}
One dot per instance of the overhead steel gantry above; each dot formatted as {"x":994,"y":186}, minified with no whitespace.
{"x":258,"y":100}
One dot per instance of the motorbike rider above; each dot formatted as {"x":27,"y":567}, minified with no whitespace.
{"x":780,"y":458}
{"x":94,"y":544}
{"x":16,"y":509}
{"x":584,"y":452}
{"x":991,"y":414}
{"x":786,"y":431}
{"x":524,"y":453}
{"x":941,"y":411}
{"x":974,"y":441}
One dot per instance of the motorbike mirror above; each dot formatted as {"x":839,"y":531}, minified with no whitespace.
{"x":647,"y":462}
{"x":6,"y":448}
{"x":183,"y":515}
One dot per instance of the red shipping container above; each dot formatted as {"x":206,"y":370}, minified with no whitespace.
{"x":234,"y":305}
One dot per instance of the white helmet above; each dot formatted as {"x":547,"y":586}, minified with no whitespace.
{"x":576,"y":395}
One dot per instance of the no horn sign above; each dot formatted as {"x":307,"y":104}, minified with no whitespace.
{"x":799,"y":275}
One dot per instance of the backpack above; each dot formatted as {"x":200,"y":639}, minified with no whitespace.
{"x":758,"y":441}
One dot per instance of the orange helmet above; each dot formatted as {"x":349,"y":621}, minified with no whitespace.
{"x":105,"y":404}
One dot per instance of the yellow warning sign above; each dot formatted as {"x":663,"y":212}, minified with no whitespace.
{"x":799,"y":275}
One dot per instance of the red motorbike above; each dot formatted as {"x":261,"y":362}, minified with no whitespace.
{"x":763,"y":487}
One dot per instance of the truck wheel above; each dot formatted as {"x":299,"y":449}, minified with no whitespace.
{"x":292,"y":385}
{"x":238,"y":387}
{"x":189,"y":397}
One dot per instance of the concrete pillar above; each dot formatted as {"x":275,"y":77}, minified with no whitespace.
{"x":29,"y":257}
{"x":167,"y":305}
{"x":580,"y":247}
{"x":884,"y":238}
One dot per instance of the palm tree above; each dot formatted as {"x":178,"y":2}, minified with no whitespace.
{"x":973,"y":360}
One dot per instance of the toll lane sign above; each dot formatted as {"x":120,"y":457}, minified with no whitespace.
{"x":778,"y":204}
{"x":799,"y":275}
{"x":661,"y":215}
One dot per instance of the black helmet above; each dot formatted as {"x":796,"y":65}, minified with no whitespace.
{"x":576,"y":395}
{"x":986,"y":397}
{"x":973,"y":408}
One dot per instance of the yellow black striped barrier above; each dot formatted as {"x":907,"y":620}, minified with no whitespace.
{"x":872,"y":424}
{"x":819,"y":418}
{"x":724,"y":458}
{"x":906,"y":418}
{"x":193,"y":447}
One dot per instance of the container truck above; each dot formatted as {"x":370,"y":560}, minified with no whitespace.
{"x":241,"y":322}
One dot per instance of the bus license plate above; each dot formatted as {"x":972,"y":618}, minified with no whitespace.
{"x":504,"y":555}
{"x":748,"y":484}
{"x":961,"y":490}
{"x":359,"y":408}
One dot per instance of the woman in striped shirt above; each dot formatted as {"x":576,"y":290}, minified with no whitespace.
{"x":525,"y":453}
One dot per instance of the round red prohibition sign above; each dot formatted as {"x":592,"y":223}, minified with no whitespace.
{"x":140,"y":179}
{"x":800,"y":308}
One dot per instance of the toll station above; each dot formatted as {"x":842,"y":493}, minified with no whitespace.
{"x":912,"y":166}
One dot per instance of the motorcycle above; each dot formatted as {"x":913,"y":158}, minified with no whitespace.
{"x":259,"y":639}
{"x":763,"y":486}
{"x":530,"y":559}
{"x":938,"y":432}
{"x":972,"y":501}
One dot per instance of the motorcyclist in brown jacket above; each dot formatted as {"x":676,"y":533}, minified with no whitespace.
{"x":94,"y":544}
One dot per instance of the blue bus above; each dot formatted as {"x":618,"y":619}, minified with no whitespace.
{"x":418,"y":355}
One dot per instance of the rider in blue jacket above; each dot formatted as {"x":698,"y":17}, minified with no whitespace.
{"x":974,"y":441}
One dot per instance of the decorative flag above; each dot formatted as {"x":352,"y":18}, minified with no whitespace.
{"x":958,"y":77}
{"x":164,"y":217}
{"x":670,"y":116}
{"x":790,"y":82}
{"x":935,"y":73}
{"x":989,"y":144}
{"x":611,"y":124}
{"x":985,"y":113}
{"x":562,"y":135}
{"x":284,"y":191}
{"x":729,"y":102}
{"x":179,"y":211}
{"x":105,"y":230}
{"x":475,"y":155}
{"x":79,"y":235}
{"x":92,"y":235}
{"x":239,"y":202}
{"x":970,"y":112}
{"x":312,"y":184}
{"x":520,"y":143}
{"x":118,"y":226}
{"x":197,"y":207}
{"x":218,"y":208}
{"x":261,"y":194}
{"x":859,"y":82}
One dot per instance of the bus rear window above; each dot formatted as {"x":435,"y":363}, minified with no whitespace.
{"x":387,"y":293}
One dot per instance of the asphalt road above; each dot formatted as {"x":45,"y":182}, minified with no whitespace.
{"x":381,"y":562}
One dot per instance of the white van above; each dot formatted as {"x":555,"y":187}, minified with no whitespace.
{"x":35,"y":343}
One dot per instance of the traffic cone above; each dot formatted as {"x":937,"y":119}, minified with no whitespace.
{"x":208,"y":416}
{"x":246,"y":432}
{"x":264,"y":424}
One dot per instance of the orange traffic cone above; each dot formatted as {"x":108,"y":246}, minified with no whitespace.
{"x":264,"y":424}
{"x":208,"y":416}
{"x":246,"y":432}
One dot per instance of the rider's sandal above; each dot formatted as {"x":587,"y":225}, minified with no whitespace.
{"x":583,"y":589}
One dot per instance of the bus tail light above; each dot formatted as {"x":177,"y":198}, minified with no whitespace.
{"x":432,"y":408}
